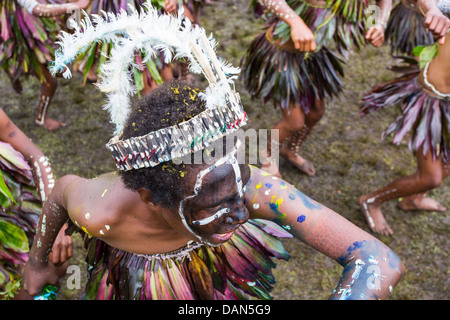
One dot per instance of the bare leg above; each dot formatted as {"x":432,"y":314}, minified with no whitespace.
{"x":48,"y":89}
{"x":428,"y":176}
{"x":421,"y":202}
{"x":291,"y":122}
{"x":292,"y":147}
{"x":438,"y":75}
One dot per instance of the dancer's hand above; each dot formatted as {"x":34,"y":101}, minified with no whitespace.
{"x":36,"y":275}
{"x":170,"y":6}
{"x":437,"y":23}
{"x":302,"y":36}
{"x":375,"y":35}
{"x":62,"y":248}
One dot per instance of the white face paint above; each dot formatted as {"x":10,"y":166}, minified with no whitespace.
{"x":230,"y":159}
{"x":212,"y":218}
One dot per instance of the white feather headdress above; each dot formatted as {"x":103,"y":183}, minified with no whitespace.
{"x":149,"y":32}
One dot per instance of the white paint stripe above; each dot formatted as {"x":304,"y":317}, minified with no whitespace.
{"x":210,"y":219}
{"x":198,"y":185}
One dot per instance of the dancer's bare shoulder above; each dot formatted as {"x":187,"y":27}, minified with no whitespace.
{"x":94,"y":205}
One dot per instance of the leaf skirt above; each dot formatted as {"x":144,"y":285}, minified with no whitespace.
{"x":20,"y":207}
{"x":405,"y":30}
{"x":26,"y":41}
{"x":240,"y":268}
{"x":425,"y":117}
{"x":93,"y":57}
{"x":290,"y":78}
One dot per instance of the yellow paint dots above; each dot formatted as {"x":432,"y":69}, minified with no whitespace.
{"x":275,"y":201}
{"x":176,"y":90}
{"x":258,"y":185}
{"x":193,"y":95}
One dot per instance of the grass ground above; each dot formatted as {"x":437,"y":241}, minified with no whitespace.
{"x":347,"y":151}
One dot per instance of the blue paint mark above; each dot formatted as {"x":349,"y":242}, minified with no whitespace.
{"x":292,"y":196}
{"x":273,"y":207}
{"x":301,"y":218}
{"x":268,"y":185}
{"x":280,"y":215}
{"x":356,"y":245}
{"x":394,"y":260}
{"x":308,"y":202}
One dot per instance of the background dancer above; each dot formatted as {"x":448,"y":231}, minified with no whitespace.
{"x":291,"y":63}
{"x":26,"y":181}
{"x":26,"y":46}
{"x":425,"y":99}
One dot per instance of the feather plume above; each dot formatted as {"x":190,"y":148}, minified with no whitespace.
{"x":146,"y":31}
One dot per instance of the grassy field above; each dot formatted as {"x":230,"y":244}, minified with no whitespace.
{"x":347,"y":151}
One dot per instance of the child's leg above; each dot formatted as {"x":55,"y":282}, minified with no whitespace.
{"x":48,"y":89}
{"x":421,"y":202}
{"x":428,"y":176}
{"x":291,"y":149}
{"x":291,"y":122}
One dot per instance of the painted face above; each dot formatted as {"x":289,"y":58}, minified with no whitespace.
{"x":216,"y":207}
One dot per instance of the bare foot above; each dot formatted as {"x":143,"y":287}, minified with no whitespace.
{"x":270,"y":165}
{"x":298,"y":161}
{"x":419,"y":202}
{"x":92,"y":76}
{"x":50,"y":124}
{"x":374,"y":217}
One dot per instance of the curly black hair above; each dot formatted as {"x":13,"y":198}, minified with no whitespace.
{"x":167,"y":105}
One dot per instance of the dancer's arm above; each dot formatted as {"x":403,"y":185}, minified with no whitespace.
{"x":371,"y":269}
{"x":301,"y":35}
{"x":43,"y":177}
{"x":375,"y":34}
{"x":42,"y":170}
{"x":39,"y":271}
{"x":51,"y":10}
{"x":435,"y":20}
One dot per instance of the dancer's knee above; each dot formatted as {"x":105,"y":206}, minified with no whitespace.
{"x":293,"y":125}
{"x":430,"y":181}
{"x":316,"y":113}
{"x":292,"y":121}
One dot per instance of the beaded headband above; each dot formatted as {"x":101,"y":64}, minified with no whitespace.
{"x":151,"y":33}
